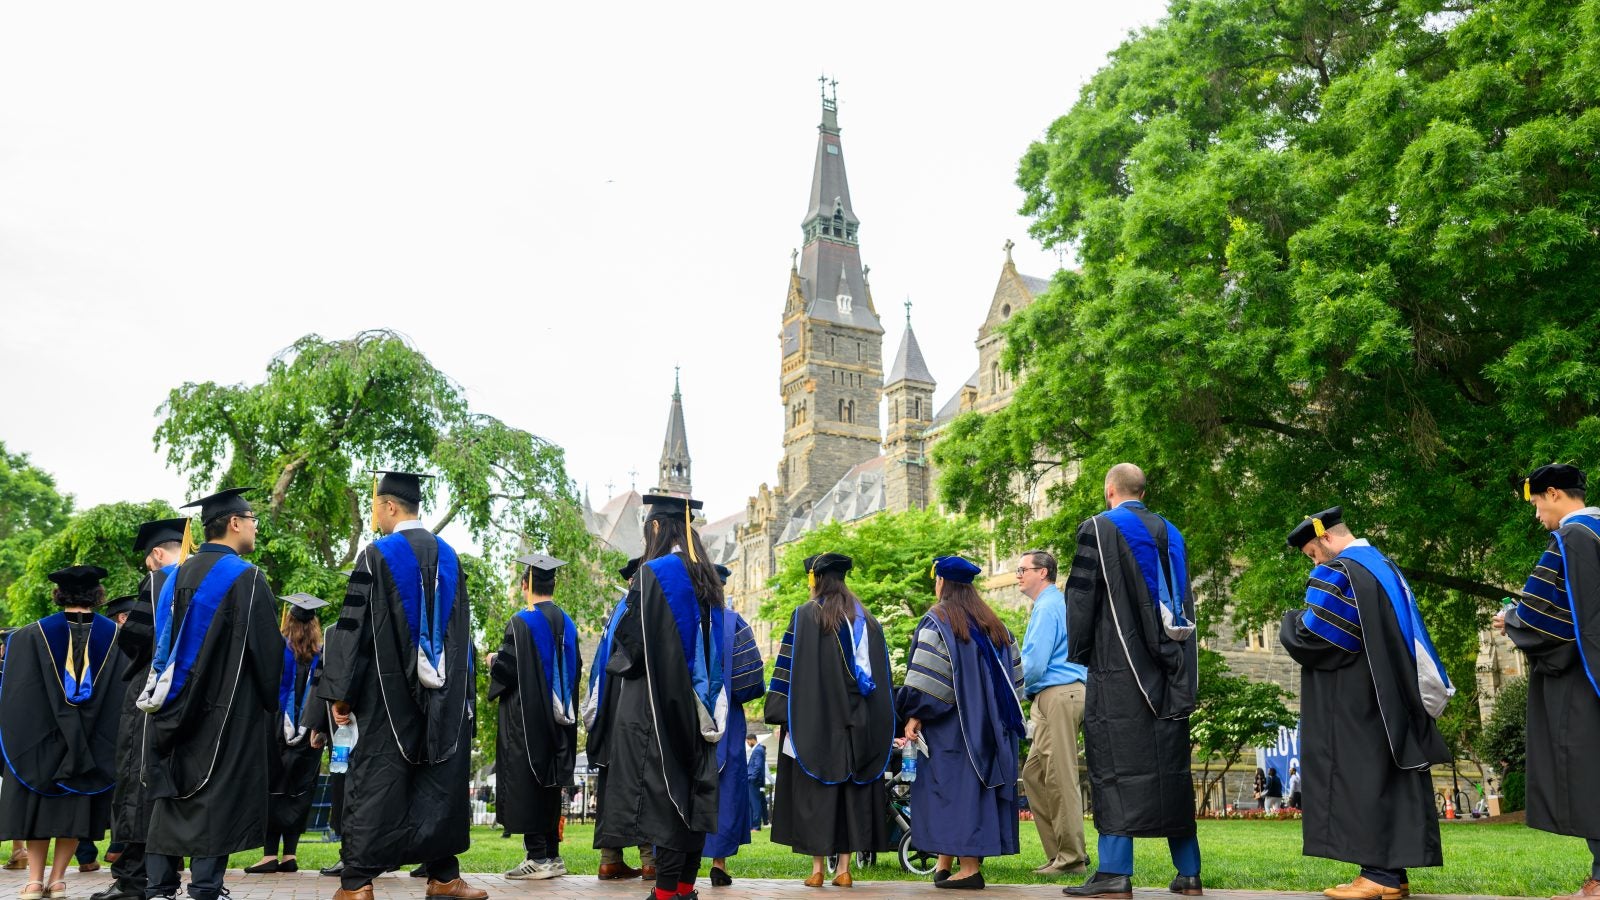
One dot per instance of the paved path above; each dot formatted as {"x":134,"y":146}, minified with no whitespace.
{"x":396,"y":886}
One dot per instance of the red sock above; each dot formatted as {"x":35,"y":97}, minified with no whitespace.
{"x":685,"y":889}
{"x":666,"y":894}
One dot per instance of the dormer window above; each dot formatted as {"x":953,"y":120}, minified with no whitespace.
{"x":844,"y":303}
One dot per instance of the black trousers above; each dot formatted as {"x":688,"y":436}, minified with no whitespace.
{"x":336,"y":802}
{"x":290,"y":843}
{"x":675,"y":867}
{"x":542,"y":844}
{"x":205,"y":875}
{"x":1594,"y":850}
{"x":86,"y":852}
{"x":443,"y":869}
{"x":129,"y":870}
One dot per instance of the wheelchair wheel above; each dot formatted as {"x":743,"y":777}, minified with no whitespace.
{"x":916,"y":861}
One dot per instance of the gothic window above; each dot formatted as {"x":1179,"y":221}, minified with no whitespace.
{"x":894,"y":410}
{"x":994,"y":376}
{"x":841,"y":410}
{"x":830,"y":345}
{"x":845,"y":300}
{"x":916,"y":407}
{"x":860,"y":350}
{"x":851,"y":412}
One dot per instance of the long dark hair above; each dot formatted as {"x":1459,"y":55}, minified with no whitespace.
{"x":836,"y":604}
{"x":659,"y":537}
{"x":959,"y":605}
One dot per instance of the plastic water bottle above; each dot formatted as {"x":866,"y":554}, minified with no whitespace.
{"x":344,"y":738}
{"x":908,"y":761}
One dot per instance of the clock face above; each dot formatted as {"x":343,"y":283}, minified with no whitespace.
{"x":791,"y":338}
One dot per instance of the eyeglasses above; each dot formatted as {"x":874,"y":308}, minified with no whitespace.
{"x":246,"y":516}
{"x":1021,"y":569}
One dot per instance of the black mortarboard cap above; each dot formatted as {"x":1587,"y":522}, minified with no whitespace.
{"x":829,"y":562}
{"x":304,"y":606}
{"x":122,"y":604}
{"x":1556,"y":475}
{"x":1315,"y":526}
{"x":405,"y":485}
{"x":542,"y":563}
{"x":154,"y":534}
{"x":77,"y":578}
{"x":230,"y":502}
{"x":633,"y":566}
{"x":663,"y":506}
{"x":723,"y":572}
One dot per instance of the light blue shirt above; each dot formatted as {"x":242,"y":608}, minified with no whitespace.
{"x":1044,"y":646}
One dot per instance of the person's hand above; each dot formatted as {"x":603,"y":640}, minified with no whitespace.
{"x":1499,"y":622}
{"x":488,"y":658}
{"x":316,"y":740}
{"x":913,"y":728}
{"x":341,"y":713}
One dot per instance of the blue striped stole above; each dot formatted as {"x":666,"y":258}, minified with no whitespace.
{"x":785,"y":662}
{"x":1331,"y":612}
{"x":1544,"y":604}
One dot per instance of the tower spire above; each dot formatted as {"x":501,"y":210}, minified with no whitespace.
{"x":674,"y":470}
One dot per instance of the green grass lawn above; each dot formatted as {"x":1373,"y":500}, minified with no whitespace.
{"x":1511,"y":860}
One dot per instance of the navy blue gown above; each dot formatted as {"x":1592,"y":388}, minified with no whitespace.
{"x":742,"y":676}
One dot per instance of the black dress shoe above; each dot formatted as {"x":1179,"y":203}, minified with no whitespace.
{"x":334,"y":870}
{"x":720,"y":877}
{"x":1188,"y":885}
{"x":262,"y":868}
{"x":940,"y":875}
{"x":117,"y":892}
{"x":292,"y":865}
{"x":971,"y":883}
{"x":1111,"y":887}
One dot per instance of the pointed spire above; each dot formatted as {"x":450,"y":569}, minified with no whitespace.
{"x":675,"y":465}
{"x":908,"y":362}
{"x":829,"y":266}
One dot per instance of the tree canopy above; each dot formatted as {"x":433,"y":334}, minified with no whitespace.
{"x":99,"y":536}
{"x":893,"y":555}
{"x":31,"y":509}
{"x":1331,"y":252}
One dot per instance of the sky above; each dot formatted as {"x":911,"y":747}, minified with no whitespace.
{"x":557,"y":203}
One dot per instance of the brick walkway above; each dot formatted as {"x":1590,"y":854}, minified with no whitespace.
{"x":396,"y":886}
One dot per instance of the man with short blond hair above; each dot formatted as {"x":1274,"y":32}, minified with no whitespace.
{"x":1057,"y":687}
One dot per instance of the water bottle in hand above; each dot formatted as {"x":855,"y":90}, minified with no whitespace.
{"x":908,"y":761}
{"x":344,"y":738}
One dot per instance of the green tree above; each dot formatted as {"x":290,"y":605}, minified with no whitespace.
{"x":893,"y":554}
{"x":1332,"y":251}
{"x":99,"y":536}
{"x":31,"y":509}
{"x":1231,"y":713}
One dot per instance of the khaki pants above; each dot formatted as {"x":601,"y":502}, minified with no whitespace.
{"x":1051,"y":774}
{"x":608,"y":855}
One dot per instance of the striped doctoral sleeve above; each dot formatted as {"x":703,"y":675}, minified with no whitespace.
{"x":785,"y":662}
{"x":1331,"y":612}
{"x":1544,"y":604}
{"x":746,"y":665}
{"x":930,"y":671}
{"x":1015,"y":652}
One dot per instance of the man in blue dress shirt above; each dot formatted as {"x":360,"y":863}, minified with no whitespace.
{"x":1056,"y":688}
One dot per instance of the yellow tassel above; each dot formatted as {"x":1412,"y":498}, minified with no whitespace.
{"x":688,"y":531}
{"x":1316,"y":527}
{"x":1527,"y":489}
{"x":811,"y":581}
{"x":284,"y":622}
{"x":933,"y":571}
{"x":187,"y":547}
{"x":374,"y":503}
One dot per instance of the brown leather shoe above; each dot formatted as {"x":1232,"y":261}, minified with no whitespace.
{"x":1362,"y":889}
{"x":648,"y":873}
{"x":1590,"y":889}
{"x":92,"y":865}
{"x":18,"y":860}
{"x":1405,"y":890}
{"x":362,"y":893}
{"x":616,"y":871}
{"x":843,"y":879}
{"x":814,"y":879}
{"x":458,"y":889}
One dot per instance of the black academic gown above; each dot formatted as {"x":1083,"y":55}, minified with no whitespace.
{"x":1563,"y":700}
{"x":294,"y":767}
{"x":59,"y":755}
{"x":1141,"y":687}
{"x":534,"y":754}
{"x":207,"y":770}
{"x":1366,"y":741}
{"x":405,"y":794}
{"x":660,"y":785}
{"x":130,"y":805}
{"x":833,"y":799}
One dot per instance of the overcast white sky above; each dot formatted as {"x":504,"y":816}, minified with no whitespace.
{"x":555,"y":202}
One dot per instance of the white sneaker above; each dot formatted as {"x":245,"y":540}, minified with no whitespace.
{"x":529,"y":869}
{"x":550,"y":868}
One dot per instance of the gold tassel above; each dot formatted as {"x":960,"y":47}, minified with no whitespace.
{"x":374,"y":503}
{"x":1527,"y":489}
{"x":933,"y":571}
{"x":187,"y":547}
{"x":688,"y":530}
{"x":284,"y":622}
{"x":811,"y":580}
{"x":1316,"y":527}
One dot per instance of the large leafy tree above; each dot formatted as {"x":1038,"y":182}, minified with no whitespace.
{"x":31,"y":509}
{"x":1232,"y":714}
{"x":1332,"y":251}
{"x":100,"y":536}
{"x":893,"y":555}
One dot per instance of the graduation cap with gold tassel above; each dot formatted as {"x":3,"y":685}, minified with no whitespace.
{"x":1316,"y":526}
{"x":826,"y":562}
{"x":663,"y":506}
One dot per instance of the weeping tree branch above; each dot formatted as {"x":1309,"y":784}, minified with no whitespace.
{"x":1457,"y":583}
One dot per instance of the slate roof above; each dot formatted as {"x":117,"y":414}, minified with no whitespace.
{"x":858,"y":494}
{"x":908,"y":362}
{"x":1035,"y":286}
{"x":619,"y":523}
{"x":824,"y":264}
{"x":952,"y":407}
{"x":721,"y":538}
{"x":828,"y":181}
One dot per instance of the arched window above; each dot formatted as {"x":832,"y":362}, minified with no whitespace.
{"x":916,"y":407}
{"x":841,"y":411}
{"x":994,"y":376}
{"x":850,"y":411}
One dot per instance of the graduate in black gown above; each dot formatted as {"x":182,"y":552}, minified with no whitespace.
{"x":669,"y":708}
{"x":1371,"y":685}
{"x":961,"y":698}
{"x":1556,"y":622}
{"x":294,"y":757}
{"x":534,"y":677}
{"x":398,"y":663}
{"x":209,"y":697}
{"x":832,"y":697}
{"x":161,"y":542}
{"x":58,"y":728}
{"x":741,"y":678}
{"x":1130,"y":620}
{"x":597,"y":721}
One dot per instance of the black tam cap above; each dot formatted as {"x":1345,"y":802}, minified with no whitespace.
{"x":829,"y":562}
{"x":304,"y":606}
{"x":1556,"y":475}
{"x":723,"y":572}
{"x":405,"y":485}
{"x":1315,"y":526}
{"x":153,"y":534}
{"x":230,"y":502}
{"x":664,"y":506}
{"x":120,"y":605}
{"x":77,"y":578}
{"x":633,"y":566}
